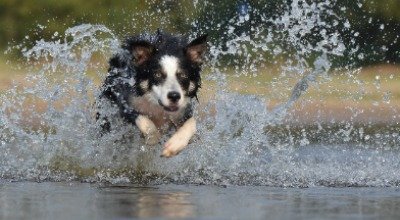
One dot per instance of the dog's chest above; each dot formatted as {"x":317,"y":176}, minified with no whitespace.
{"x":161,"y":118}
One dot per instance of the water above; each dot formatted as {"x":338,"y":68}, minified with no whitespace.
{"x":48,"y":132}
{"x":90,"y":201}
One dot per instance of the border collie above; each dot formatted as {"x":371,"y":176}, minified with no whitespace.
{"x":152,"y":81}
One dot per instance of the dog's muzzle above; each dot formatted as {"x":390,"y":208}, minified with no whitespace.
{"x":170,"y":108}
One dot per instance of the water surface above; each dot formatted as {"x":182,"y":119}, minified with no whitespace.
{"x":30,"y":200}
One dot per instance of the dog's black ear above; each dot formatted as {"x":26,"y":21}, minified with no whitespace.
{"x":195,"y":50}
{"x":141,"y":52}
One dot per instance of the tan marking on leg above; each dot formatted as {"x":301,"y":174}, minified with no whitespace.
{"x":148,"y":129}
{"x":144,"y":85}
{"x":180,"y":139}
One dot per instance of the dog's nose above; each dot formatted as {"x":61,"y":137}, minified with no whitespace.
{"x":174,"y":96}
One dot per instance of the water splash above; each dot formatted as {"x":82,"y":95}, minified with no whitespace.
{"x":48,"y":131}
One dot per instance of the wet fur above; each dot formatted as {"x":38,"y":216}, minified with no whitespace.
{"x":142,"y":72}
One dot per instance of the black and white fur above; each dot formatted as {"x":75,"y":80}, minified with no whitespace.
{"x":153,"y":81}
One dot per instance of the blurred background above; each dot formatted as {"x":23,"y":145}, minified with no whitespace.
{"x":377,"y":23}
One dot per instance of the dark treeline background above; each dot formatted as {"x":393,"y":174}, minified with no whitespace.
{"x":376,"y":22}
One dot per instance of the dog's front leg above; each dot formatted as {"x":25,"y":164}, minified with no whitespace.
{"x":148,"y":129}
{"x":180,"y":139}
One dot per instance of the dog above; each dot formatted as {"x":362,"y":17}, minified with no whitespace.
{"x":153,"y":81}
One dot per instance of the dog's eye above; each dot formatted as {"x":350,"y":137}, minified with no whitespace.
{"x":182,"y":75}
{"x":158,"y":75}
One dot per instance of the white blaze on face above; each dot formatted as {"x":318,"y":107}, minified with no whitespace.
{"x":170,"y":66}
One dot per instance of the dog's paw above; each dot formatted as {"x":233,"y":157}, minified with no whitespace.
{"x":174,"y":145}
{"x":152,"y":138}
{"x":148,"y":129}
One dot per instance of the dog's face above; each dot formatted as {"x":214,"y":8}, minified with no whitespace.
{"x":168,"y":71}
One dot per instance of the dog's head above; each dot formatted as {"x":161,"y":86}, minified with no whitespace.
{"x":167,"y":68}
